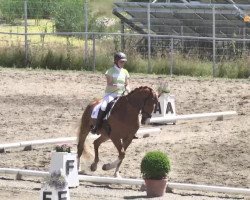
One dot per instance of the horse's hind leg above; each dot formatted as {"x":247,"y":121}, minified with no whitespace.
{"x":80,"y":149}
{"x":83,"y":133}
{"x":97,"y":143}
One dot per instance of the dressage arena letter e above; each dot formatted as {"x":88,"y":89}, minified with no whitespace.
{"x":61,"y":195}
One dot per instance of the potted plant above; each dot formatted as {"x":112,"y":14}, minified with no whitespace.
{"x":163,"y":88}
{"x":63,"y":148}
{"x":155,"y":167}
{"x":54,"y":187}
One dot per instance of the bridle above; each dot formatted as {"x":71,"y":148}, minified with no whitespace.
{"x":144,"y":113}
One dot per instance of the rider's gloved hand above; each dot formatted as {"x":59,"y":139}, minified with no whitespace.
{"x":128,"y":89}
{"x":119,"y":85}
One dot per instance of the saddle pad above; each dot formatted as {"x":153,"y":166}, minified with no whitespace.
{"x":96,"y":110}
{"x":108,"y":109}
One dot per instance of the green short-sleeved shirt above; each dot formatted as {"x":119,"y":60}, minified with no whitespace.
{"x":119,"y":76}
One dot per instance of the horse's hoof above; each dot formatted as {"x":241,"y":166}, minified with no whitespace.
{"x":117,"y":175}
{"x":93,"y":167}
{"x":105,"y":167}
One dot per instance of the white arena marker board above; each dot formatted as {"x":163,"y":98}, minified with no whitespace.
{"x":165,"y":107}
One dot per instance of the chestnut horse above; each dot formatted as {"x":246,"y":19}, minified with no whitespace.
{"x":123,"y":123}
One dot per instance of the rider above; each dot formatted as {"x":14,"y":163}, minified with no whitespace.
{"x":117,"y":82}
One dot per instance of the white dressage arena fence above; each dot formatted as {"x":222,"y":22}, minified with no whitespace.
{"x":141,"y":131}
{"x":165,"y":113}
{"x":128,"y":181}
{"x":168,"y":119}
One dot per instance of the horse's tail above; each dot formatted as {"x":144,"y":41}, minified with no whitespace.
{"x":84,"y":130}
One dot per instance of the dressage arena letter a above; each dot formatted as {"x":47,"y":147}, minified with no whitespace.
{"x":169,"y":108}
{"x":165,"y":107}
{"x":158,"y":108}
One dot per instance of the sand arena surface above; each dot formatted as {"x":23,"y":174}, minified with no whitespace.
{"x":38,"y":104}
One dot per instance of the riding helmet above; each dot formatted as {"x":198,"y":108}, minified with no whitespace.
{"x":120,"y":56}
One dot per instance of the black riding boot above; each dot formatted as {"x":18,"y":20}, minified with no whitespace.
{"x":100,"y":116}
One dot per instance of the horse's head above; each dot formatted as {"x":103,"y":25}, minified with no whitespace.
{"x":149,"y":103}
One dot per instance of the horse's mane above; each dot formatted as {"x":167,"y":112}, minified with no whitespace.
{"x":140,"y":88}
{"x":122,"y":99}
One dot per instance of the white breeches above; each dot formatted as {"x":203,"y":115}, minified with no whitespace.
{"x":106,"y":100}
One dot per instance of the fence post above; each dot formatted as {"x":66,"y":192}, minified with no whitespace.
{"x":244,"y":37}
{"x":86,"y":32}
{"x":94,"y":53}
{"x":122,"y":36}
{"x":214,"y":44}
{"x":149,"y":40}
{"x":172,"y":56}
{"x":26,"y":33}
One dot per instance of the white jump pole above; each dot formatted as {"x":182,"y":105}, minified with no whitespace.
{"x":66,"y":139}
{"x":206,"y":188}
{"x":191,"y":116}
{"x":23,"y":172}
{"x":127,"y":181}
{"x":111,"y":180}
{"x":38,"y":142}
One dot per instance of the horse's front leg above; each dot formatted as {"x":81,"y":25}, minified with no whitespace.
{"x":126,"y":143}
{"x":97,"y":143}
{"x":116,"y":164}
{"x":117,"y":173}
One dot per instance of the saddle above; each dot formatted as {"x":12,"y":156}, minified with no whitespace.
{"x":107,"y":112}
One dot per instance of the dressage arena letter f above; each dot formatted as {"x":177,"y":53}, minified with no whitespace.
{"x":69,"y":164}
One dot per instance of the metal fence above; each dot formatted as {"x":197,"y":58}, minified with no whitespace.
{"x":144,"y":34}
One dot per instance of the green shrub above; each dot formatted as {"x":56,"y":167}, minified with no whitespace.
{"x":12,"y":57}
{"x":155,"y":165}
{"x":235,"y":69}
{"x":12,"y":10}
{"x":69,"y":16}
{"x":63,"y":148}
